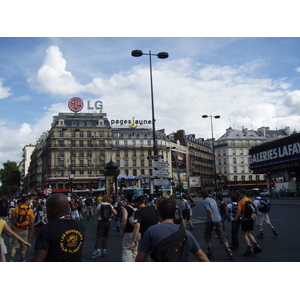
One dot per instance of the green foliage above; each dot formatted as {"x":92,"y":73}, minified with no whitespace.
{"x":10,"y":178}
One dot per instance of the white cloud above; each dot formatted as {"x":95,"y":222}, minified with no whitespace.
{"x":292,"y":102}
{"x":183,"y":91}
{"x":4,"y":91}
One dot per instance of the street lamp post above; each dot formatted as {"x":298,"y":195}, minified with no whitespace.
{"x":161,"y":55}
{"x":213,"y":146}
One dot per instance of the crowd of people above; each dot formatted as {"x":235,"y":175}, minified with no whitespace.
{"x":151,"y":229}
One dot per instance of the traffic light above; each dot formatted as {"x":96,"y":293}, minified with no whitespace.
{"x":123,"y":182}
{"x":213,"y":178}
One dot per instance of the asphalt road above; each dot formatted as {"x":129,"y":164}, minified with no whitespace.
{"x":283,"y":248}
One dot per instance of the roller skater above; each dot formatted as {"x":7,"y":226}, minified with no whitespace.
{"x":210,"y":254}
{"x":213,"y":223}
{"x":249,"y":252}
{"x":247,"y":223}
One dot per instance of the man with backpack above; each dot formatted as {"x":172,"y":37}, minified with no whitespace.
{"x":246,"y":210}
{"x":263,"y":207}
{"x":126,"y":232}
{"x":231,"y":210}
{"x":104,"y":210}
{"x":22,"y":224}
{"x":89,"y":203}
{"x":166,"y":241}
{"x":213,"y":223}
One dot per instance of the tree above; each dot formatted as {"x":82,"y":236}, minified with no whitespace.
{"x":10,"y":178}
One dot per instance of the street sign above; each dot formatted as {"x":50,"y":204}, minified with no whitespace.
{"x":161,"y":173}
{"x":155,"y":157}
{"x":160,"y":164}
{"x":161,"y":182}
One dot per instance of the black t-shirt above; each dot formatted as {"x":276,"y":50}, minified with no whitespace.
{"x":147,"y":217}
{"x":63,"y":239}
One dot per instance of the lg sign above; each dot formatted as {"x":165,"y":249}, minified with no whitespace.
{"x":75,"y":104}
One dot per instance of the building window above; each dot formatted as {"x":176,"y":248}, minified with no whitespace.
{"x":142,"y":163}
{"x":125,"y":163}
{"x":134,"y":172}
{"x":234,"y":160}
{"x":81,"y":144}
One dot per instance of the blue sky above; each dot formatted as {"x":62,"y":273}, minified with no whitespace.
{"x":250,"y":82}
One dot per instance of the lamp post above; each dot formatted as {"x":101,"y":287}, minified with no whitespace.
{"x":213,"y":146}
{"x":161,"y":55}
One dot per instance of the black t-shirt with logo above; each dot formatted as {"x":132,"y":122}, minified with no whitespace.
{"x":62,"y":239}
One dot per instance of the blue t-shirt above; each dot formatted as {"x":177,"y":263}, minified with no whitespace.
{"x":156,"y":233}
{"x":211,"y":204}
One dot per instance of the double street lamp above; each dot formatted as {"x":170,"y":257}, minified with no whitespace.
{"x":213,"y":145}
{"x":161,"y":55}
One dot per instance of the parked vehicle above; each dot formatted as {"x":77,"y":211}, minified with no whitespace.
{"x":265,"y":192}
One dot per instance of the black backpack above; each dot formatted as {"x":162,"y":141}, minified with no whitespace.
{"x":174,"y":248}
{"x":105,"y":212}
{"x":178,"y":217}
{"x":265,"y":205}
{"x":249,"y":210}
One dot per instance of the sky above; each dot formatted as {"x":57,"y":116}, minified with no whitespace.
{"x":251,"y":79}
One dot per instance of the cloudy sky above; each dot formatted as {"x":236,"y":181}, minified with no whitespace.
{"x":248,"y":81}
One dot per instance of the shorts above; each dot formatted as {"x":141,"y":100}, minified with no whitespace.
{"x":15,"y":243}
{"x":103,"y":228}
{"x":3,"y":249}
{"x":186,"y":214}
{"x":261,"y":218}
{"x":247,"y":225}
{"x":209,"y":228}
{"x":75,"y":214}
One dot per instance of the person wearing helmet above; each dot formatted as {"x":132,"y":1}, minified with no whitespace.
{"x":146,"y":216}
